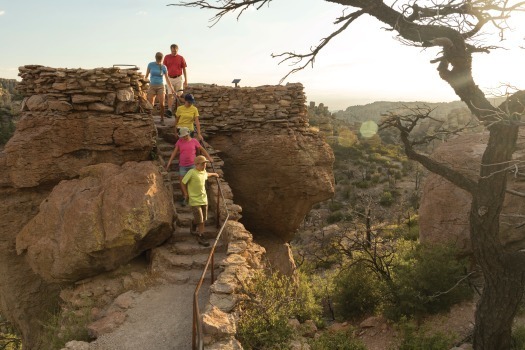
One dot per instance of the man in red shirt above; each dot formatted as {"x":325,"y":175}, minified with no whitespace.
{"x":176,"y":68}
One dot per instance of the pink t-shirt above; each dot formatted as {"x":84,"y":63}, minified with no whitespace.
{"x":188,"y":151}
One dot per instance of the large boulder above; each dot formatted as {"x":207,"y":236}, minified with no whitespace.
{"x":47,"y":148}
{"x":444,"y":209}
{"x":105,"y":218}
{"x":276,"y":177}
{"x":26,"y":300}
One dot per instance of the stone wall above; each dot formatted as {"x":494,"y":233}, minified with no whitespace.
{"x":109,"y":90}
{"x":226,"y":110}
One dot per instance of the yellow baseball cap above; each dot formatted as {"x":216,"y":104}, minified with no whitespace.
{"x":200,"y":159}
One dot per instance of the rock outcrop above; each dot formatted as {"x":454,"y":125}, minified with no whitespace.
{"x":58,"y":135}
{"x":95,"y":223}
{"x":50,"y":147}
{"x":276,"y":165}
{"x":79,"y":194}
{"x":444,"y":208}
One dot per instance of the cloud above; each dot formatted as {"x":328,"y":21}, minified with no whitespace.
{"x":141,"y":13}
{"x":2,"y":12}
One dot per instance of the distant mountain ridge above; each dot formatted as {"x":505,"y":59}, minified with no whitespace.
{"x":375,"y":110}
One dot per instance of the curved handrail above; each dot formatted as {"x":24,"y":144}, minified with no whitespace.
{"x":197,"y":336}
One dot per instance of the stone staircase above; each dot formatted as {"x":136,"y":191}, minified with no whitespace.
{"x":182,"y":259}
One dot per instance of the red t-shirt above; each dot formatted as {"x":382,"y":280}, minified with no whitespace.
{"x":188,"y":151}
{"x":174,"y":64}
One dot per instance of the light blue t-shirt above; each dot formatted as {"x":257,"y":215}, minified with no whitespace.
{"x":156,"y":73}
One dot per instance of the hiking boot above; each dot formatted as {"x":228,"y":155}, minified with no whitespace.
{"x":202,"y":241}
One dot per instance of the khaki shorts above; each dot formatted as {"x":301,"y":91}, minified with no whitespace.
{"x":156,"y":90}
{"x":178,"y":85}
{"x":200,"y":214}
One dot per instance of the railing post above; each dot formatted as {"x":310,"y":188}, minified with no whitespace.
{"x":218,"y":211}
{"x":194,"y":327}
{"x":212,"y":267}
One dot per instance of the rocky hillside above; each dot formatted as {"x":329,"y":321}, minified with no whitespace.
{"x":374,"y":111}
{"x":9,"y":109}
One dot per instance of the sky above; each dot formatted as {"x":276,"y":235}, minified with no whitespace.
{"x":363,"y":64}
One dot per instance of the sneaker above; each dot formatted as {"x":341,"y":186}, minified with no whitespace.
{"x":202,"y":241}
{"x":183,"y":202}
{"x":162,"y":122}
{"x":168,"y":114}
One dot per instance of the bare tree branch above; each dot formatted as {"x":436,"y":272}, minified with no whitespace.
{"x":224,"y":7}
{"x":297,"y":58}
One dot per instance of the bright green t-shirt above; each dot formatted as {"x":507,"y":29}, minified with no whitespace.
{"x":196,"y":180}
{"x":187,"y":116}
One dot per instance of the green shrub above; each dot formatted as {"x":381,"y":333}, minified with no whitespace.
{"x":356,"y":292}
{"x":387,"y":199}
{"x":7,"y":129}
{"x":376,"y":178}
{"x":65,"y":325}
{"x":310,"y":305}
{"x":362,"y":184}
{"x":411,"y":233}
{"x":337,"y":341}
{"x":335,"y":206}
{"x":9,"y":337}
{"x":427,"y":280}
{"x":334,"y":217}
{"x":413,"y":338}
{"x":272,"y":300}
{"x":346,"y":192}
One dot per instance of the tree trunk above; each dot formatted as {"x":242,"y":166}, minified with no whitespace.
{"x":496,"y":310}
{"x":504,"y":284}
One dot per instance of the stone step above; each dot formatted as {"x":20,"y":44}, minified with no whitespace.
{"x":163,"y":259}
{"x":191,"y":247}
{"x":165,"y":147}
{"x":184,"y":219}
{"x":188,"y":276}
{"x":183,"y":233}
{"x":164,"y":154}
{"x":180,"y":209}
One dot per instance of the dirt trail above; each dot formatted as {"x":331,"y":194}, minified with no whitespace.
{"x":159,"y":319}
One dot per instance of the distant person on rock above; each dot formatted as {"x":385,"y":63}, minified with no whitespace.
{"x":158,"y":73}
{"x":187,"y":116}
{"x":187,"y":147}
{"x":176,"y":68}
{"x":194,"y":184}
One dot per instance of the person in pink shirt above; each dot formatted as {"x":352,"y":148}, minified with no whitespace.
{"x":187,"y":147}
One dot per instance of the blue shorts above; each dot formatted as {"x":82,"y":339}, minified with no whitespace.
{"x":184,"y":169}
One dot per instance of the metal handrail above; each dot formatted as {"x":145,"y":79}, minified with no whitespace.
{"x":197,"y":335}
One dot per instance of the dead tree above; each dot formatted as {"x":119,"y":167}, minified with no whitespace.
{"x":452,"y":26}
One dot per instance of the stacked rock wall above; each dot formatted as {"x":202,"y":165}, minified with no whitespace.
{"x":275,"y":109}
{"x":110,"y":90}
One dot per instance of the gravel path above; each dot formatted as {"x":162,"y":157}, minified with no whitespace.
{"x":159,"y":319}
